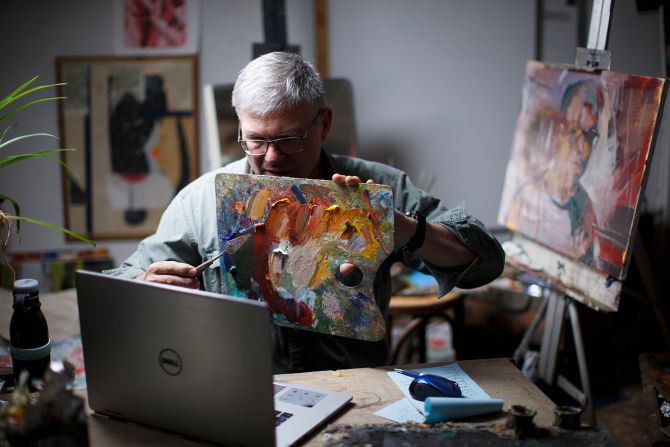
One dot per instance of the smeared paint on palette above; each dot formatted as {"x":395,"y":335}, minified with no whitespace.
{"x":285,"y":239}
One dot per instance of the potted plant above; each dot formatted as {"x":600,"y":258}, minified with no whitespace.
{"x":11,"y":104}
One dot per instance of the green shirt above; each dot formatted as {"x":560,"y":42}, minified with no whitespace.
{"x":187,"y":232}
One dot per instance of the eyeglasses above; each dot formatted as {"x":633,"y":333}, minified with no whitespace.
{"x":287,"y":145}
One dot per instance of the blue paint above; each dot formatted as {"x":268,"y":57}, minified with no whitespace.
{"x":298,"y":194}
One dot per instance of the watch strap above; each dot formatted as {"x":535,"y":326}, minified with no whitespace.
{"x":416,"y":241}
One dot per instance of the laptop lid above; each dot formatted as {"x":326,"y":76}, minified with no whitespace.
{"x":188,"y":361}
{"x":191,"y":362}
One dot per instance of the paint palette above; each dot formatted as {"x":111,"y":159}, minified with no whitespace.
{"x":285,"y":238}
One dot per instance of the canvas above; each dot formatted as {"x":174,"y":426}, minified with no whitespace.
{"x":284,"y":239}
{"x":579,"y":161}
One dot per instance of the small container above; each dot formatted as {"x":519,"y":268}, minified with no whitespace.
{"x":30,"y":346}
{"x":520,"y":419}
{"x":567,"y":417}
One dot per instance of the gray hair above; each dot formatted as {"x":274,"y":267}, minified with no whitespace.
{"x":277,"y":81}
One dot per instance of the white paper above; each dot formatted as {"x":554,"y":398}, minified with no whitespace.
{"x":412,"y":410}
{"x":401,"y":411}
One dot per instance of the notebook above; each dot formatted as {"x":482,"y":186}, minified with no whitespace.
{"x":191,"y":362}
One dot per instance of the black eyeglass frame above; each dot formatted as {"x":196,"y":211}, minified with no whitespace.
{"x":277,"y":141}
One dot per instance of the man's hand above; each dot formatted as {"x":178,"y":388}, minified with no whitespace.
{"x":171,"y":272}
{"x":348,"y":179}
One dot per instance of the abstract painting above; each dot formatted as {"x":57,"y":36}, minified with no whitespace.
{"x":156,"y":26}
{"x":134,"y":125}
{"x":284,"y":239}
{"x":579,"y":162}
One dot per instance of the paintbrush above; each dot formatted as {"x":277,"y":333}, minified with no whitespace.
{"x":199,"y":269}
{"x":204,"y":265}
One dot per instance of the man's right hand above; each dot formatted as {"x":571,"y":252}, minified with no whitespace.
{"x":171,"y":272}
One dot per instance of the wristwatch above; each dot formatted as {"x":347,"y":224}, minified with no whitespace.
{"x":416,"y":241}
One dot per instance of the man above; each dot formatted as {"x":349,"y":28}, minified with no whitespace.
{"x":279,"y":99}
{"x":554,"y":207}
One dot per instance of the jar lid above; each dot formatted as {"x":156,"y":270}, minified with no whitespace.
{"x":26,"y":286}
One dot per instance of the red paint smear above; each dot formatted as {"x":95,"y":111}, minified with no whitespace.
{"x":155,"y":152}
{"x":296,"y":312}
{"x":636,"y":111}
{"x":610,"y":251}
{"x":133,"y":178}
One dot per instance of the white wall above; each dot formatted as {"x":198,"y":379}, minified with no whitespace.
{"x":437,"y":87}
{"x":436,"y":83}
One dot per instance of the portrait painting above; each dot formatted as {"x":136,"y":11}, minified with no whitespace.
{"x":133,"y":123}
{"x":283,"y":241}
{"x":579,"y":161}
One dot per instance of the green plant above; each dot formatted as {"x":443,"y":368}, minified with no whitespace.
{"x":12,"y":99}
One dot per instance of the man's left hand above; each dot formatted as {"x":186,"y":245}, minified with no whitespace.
{"x":349,"y":179}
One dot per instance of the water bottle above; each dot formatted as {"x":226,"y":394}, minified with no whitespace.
{"x":30,"y":346}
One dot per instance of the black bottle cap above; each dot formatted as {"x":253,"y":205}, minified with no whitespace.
{"x":26,"y":286}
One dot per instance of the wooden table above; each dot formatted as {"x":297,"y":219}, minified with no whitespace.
{"x":371,"y":388}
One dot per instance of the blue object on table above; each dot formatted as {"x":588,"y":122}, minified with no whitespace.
{"x":440,"y":409}
{"x":430,"y":385}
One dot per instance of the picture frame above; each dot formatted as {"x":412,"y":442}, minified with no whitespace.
{"x":156,"y":27}
{"x":134,"y":124}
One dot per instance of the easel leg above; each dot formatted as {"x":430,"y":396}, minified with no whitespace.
{"x":581,"y":361}
{"x":525,"y":341}
{"x":551,"y":338}
{"x":553,"y":312}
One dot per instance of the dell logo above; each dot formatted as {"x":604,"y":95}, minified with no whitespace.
{"x":170,"y":361}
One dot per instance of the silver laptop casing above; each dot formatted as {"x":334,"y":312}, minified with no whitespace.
{"x":160,"y":355}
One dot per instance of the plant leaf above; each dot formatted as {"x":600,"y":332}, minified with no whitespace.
{"x":17,"y":209}
{"x":53,"y":227}
{"x":11,"y":159}
{"x":18,"y":89}
{"x":23,"y":137}
{"x":28,"y":104}
{"x":64,"y":165}
{"x":2,"y":137}
{"x":10,"y":99}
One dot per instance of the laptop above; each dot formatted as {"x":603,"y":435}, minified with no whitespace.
{"x":191,"y":362}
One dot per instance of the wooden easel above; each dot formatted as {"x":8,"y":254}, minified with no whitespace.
{"x":558,"y":306}
{"x":553,"y":308}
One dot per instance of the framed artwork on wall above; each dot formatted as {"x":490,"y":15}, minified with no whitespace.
{"x":134,"y":123}
{"x":152,"y":27}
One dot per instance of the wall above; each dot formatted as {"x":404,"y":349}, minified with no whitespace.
{"x":436,"y":86}
{"x":436,"y":83}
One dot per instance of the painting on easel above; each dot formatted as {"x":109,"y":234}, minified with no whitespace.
{"x":284,"y":239}
{"x":579,"y":161}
